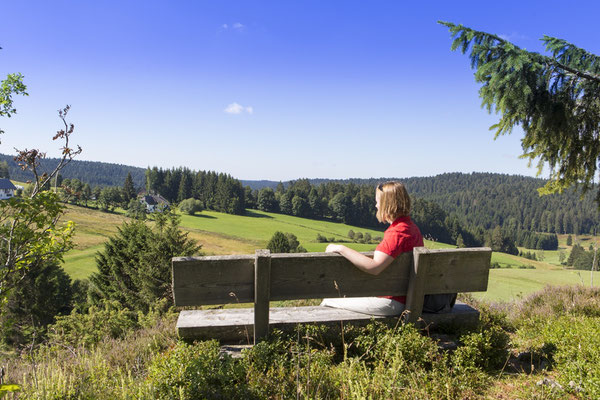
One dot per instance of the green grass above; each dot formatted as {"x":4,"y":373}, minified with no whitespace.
{"x":79,"y":264}
{"x":513,"y":284}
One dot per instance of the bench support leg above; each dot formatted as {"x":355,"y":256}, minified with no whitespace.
{"x":416,"y":284}
{"x":262,"y":292}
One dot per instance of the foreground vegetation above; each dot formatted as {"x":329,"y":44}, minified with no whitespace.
{"x":548,"y":347}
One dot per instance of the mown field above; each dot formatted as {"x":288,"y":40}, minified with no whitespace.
{"x":232,"y":234}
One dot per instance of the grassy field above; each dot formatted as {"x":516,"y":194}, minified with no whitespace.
{"x":221,"y":233}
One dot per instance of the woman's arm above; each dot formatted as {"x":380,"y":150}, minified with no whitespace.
{"x":372,"y":266}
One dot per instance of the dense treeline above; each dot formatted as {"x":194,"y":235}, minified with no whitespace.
{"x":94,"y":173}
{"x":216,"y":191}
{"x":354,"y":204}
{"x":488,"y":199}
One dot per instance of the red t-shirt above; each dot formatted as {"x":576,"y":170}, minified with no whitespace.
{"x":401,"y":236}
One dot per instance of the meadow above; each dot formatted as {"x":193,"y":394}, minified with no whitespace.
{"x":221,"y":233}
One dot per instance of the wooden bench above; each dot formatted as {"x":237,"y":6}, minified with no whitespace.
{"x":266,"y":277}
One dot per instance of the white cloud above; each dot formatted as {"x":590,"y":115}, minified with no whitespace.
{"x":235,"y":108}
{"x":238,"y":26}
{"x":515,"y":36}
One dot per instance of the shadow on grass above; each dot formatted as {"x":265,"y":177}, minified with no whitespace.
{"x":203,"y":216}
{"x":253,"y":214}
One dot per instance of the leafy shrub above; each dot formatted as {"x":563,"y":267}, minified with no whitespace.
{"x":572,"y":345}
{"x":110,"y":320}
{"x":321,"y":238}
{"x":285,"y":243}
{"x":197,"y":372}
{"x":190,"y":206}
{"x":278,"y":243}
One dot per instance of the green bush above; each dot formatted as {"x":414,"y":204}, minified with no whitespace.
{"x":571,"y":345}
{"x":110,"y":320}
{"x":190,"y":206}
{"x":197,"y":371}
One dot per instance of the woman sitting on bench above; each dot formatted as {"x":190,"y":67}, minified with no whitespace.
{"x":393,"y":207}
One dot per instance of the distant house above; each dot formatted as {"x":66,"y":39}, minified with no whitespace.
{"x":154,"y":202}
{"x":7,"y":189}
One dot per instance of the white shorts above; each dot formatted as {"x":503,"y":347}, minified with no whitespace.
{"x":366,"y":305}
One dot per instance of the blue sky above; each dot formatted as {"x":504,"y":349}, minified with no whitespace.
{"x":270,"y":89}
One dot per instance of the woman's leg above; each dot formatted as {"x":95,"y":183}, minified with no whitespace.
{"x":366,"y":305}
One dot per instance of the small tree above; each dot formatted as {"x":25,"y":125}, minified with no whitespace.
{"x":128,"y":189}
{"x":135,"y":266}
{"x":136,"y":210}
{"x":279,"y":243}
{"x":367,"y":237}
{"x":351,"y":234}
{"x":569,"y":240}
{"x":190,"y":206}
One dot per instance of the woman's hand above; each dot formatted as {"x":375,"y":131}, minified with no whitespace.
{"x":334,"y":248}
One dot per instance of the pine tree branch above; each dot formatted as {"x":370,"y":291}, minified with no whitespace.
{"x":576,"y":72}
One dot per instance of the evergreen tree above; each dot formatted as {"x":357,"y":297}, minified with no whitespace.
{"x":4,"y":170}
{"x":553,"y":98}
{"x":39,"y":297}
{"x":135,"y":266}
{"x":569,"y":240}
{"x":279,"y":243}
{"x":266,"y":200}
{"x":185,"y":186}
{"x":285,"y":203}
{"x":128,"y":189}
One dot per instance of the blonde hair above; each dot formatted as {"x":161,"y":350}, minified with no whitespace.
{"x":394,"y":202}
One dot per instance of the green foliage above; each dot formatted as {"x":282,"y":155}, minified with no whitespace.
{"x":30,"y":226}
{"x":285,"y":243}
{"x":110,"y":197}
{"x":571,"y":345}
{"x":569,"y":240}
{"x":279,"y":243}
{"x":129,"y":192}
{"x":197,"y":372}
{"x":136,"y":210}
{"x":12,"y":85}
{"x":135,"y":266}
{"x":266,"y":200}
{"x":109,"y":319}
{"x":553,"y":98}
{"x":190,"y":206}
{"x":321,"y":238}
{"x":42,"y":294}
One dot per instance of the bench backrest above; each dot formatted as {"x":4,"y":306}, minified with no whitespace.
{"x":265,"y":277}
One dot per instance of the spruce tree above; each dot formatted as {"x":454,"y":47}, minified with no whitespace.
{"x":554,"y":98}
{"x":128,"y":189}
{"x":135,"y":266}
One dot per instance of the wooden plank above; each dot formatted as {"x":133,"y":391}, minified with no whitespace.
{"x":213,"y":280}
{"x":262,"y":289}
{"x":416,"y":284}
{"x":234,"y":325}
{"x":319,"y":275}
{"x":457,"y":270}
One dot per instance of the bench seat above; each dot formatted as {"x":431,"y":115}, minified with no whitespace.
{"x":235,"y":325}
